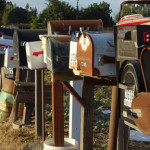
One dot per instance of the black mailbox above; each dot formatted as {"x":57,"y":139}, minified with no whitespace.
{"x":57,"y":48}
{"x":130,"y":41}
{"x":19,"y":39}
{"x":6,"y":31}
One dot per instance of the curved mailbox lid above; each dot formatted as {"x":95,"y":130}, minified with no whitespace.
{"x":96,"y":54}
{"x":66,"y":27}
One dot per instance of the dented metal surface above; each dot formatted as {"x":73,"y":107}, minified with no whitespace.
{"x":96,"y":54}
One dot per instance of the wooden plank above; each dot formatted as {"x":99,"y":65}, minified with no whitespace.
{"x":28,"y":108}
{"x":64,"y":76}
{"x":57,"y":114}
{"x":38,"y":104}
{"x":14,"y":112}
{"x":2,"y":75}
{"x":87,"y":115}
{"x":71,"y":90}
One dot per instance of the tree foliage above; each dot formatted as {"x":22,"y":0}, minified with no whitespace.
{"x":134,"y":9}
{"x":98,"y":11}
{"x":55,"y":10}
{"x":13,"y":14}
{"x":2,"y":8}
{"x":17,"y":15}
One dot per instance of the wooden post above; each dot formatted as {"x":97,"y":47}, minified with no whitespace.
{"x":38,"y":104}
{"x":112,"y":142}
{"x":57,"y":114}
{"x":43,"y":106}
{"x":86,"y":138}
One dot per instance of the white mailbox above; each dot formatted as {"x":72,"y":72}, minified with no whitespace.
{"x":95,"y":55}
{"x":8,"y":59}
{"x":35,"y":57}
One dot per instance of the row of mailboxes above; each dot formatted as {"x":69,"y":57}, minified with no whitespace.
{"x":93,"y":54}
{"x":90,"y":52}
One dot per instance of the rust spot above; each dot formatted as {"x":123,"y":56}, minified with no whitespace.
{"x":62,"y":26}
{"x":142,"y":103}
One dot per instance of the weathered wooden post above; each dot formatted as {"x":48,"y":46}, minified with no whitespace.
{"x":87,"y":115}
{"x":38,"y":103}
{"x":57,"y":114}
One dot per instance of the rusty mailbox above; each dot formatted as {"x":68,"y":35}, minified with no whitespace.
{"x":67,"y":27}
{"x":58,"y":41}
{"x":95,"y":55}
{"x":19,"y":39}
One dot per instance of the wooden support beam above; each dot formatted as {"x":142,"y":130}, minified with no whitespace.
{"x":87,"y":115}
{"x":71,"y":90}
{"x":57,"y":114}
{"x":38,"y":104}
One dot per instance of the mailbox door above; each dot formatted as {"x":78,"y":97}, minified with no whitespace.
{"x":9,"y":56}
{"x":73,"y":51}
{"x":19,"y":38}
{"x":58,"y":54}
{"x":85,"y":54}
{"x":35,"y":55}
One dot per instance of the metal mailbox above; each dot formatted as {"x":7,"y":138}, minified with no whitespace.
{"x":96,"y":54}
{"x":4,"y":44}
{"x":66,"y":27}
{"x":44,"y":39}
{"x":73,"y":50}
{"x":35,"y":55}
{"x":6,"y":33}
{"x":19,"y":39}
{"x":57,"y":48}
{"x":130,"y":41}
{"x":8,"y":59}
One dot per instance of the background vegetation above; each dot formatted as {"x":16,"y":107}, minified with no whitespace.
{"x":55,"y":10}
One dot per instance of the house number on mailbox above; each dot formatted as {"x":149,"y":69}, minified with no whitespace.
{"x":129,"y":95}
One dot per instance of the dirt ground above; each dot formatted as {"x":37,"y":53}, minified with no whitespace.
{"x":15,"y":139}
{"x":24,"y":138}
